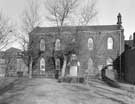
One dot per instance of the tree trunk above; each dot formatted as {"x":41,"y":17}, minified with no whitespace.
{"x":30,"y":68}
{"x":64,"y":66}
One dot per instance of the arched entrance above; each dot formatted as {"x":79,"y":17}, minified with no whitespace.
{"x":73,"y":65}
{"x":57,"y":64}
{"x":42,"y":65}
{"x":110,"y":72}
{"x":57,"y":44}
{"x":57,"y":67}
{"x":109,"y":63}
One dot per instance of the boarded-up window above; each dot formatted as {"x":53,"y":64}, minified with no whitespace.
{"x":57,"y":44}
{"x":110,"y":43}
{"x":42,"y":64}
{"x":42,"y":45}
{"x":90,"y":44}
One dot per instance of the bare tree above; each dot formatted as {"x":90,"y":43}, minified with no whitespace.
{"x":86,"y":15}
{"x":10,"y":64}
{"x":60,"y":11}
{"x":88,"y":12}
{"x":130,"y":37}
{"x":6,"y":27}
{"x":30,"y":20}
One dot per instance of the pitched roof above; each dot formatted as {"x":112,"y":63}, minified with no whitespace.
{"x":12,"y":50}
{"x":96,"y":28}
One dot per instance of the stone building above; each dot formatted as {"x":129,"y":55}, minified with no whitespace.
{"x":99,"y":46}
{"x":11,"y":63}
{"x":128,"y":61}
{"x":2,"y":64}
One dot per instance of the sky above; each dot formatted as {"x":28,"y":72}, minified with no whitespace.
{"x":107,"y":12}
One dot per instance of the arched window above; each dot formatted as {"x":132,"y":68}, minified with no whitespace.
{"x":42,"y":45}
{"x":90,"y":44}
{"x":90,"y":63}
{"x":90,"y":66}
{"x":100,"y":67}
{"x":57,"y":44}
{"x":73,"y":57}
{"x":109,"y":63}
{"x":42,"y":64}
{"x":110,"y":43}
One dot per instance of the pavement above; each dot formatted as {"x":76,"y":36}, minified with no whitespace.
{"x":49,"y":91}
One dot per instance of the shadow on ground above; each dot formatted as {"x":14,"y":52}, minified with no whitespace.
{"x":11,"y":90}
{"x":7,"y":87}
{"x":111,"y":83}
{"x":111,"y":98}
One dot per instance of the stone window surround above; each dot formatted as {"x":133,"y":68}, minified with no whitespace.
{"x":110,"y":46}
{"x":42,"y":63}
{"x":57,"y":44}
{"x":42,"y":44}
{"x":90,"y":61}
{"x":109,"y":61}
{"x":91,"y":42}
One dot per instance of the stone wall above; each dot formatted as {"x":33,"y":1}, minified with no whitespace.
{"x":98,"y":54}
{"x":47,"y":54}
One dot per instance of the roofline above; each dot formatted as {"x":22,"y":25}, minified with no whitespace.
{"x":96,"y":27}
{"x":12,"y":48}
{"x":79,"y":26}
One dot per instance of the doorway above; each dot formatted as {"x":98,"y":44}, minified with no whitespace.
{"x":42,"y":66}
{"x":90,"y":66}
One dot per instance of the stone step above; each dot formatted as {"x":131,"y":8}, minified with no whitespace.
{"x":45,"y":75}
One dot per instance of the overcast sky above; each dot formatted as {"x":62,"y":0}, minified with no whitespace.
{"x":108,"y":11}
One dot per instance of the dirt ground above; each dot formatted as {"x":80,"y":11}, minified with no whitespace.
{"x":49,"y":91}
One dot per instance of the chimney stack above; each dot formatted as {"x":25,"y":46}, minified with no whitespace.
{"x":119,"y":22}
